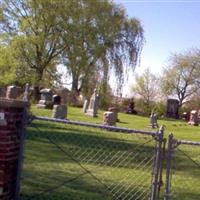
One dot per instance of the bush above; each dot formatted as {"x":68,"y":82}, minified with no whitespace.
{"x":142,"y":108}
{"x":160,"y":108}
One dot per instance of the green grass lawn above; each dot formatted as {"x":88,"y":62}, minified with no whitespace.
{"x":179,"y":128}
{"x":71,"y":162}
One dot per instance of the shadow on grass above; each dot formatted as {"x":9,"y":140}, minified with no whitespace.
{"x":121,"y":122}
{"x":83,"y":188}
{"x":80,"y":143}
{"x":56,"y":154}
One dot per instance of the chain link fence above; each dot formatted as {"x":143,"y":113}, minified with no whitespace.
{"x":76,"y":160}
{"x":183,"y":170}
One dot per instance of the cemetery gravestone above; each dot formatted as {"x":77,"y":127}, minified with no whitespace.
{"x":64,"y":94}
{"x":193,"y":118}
{"x":56,"y":99}
{"x":85,"y":106}
{"x":186,"y":116}
{"x":46,"y":98}
{"x":172,"y":108}
{"x":109,"y":118}
{"x":13,"y":92}
{"x":198,"y":116}
{"x":153,"y":120}
{"x":26,"y":93}
{"x":131,"y":107}
{"x":59,"y":111}
{"x":93,"y":105}
{"x":115,"y":111}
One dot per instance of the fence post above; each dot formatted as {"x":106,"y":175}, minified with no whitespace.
{"x":169,"y":167}
{"x":161,"y":165}
{"x":12,"y":125}
{"x":157,"y":165}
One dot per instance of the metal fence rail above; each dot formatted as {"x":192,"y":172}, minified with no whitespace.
{"x":78,"y":160}
{"x":106,"y":127}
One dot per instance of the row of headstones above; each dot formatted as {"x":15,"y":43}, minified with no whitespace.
{"x":110,"y":116}
{"x":59,"y":104}
{"x":90,"y":108}
{"x":15,"y":92}
{"x":193,"y":117}
{"x":55,"y":101}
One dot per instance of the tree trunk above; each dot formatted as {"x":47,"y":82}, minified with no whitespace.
{"x":36,"y":93}
{"x":75,"y":84}
{"x":36,"y":87}
{"x":74,"y":91}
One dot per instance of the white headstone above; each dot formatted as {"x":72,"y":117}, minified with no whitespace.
{"x":93,"y":105}
{"x":85,"y":106}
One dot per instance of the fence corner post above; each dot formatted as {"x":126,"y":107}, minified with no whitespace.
{"x":12,"y":132}
{"x":168,"y":167}
{"x":157,"y":164}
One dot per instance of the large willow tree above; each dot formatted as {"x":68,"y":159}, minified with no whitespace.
{"x":103,"y":41}
{"x":89,"y":37}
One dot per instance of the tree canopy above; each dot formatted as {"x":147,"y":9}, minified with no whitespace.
{"x":146,"y":87}
{"x":105,"y":39}
{"x":88,"y":36}
{"x":181,"y":78}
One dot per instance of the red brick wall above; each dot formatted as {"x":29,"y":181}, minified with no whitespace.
{"x":11,"y":130}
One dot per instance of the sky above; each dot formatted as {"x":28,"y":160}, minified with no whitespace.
{"x":169,"y":27}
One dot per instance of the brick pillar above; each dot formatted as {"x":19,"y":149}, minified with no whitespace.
{"x":12,"y":125}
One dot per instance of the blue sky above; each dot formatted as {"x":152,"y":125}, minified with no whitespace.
{"x":170,"y":27}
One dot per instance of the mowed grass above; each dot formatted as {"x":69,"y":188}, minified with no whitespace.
{"x":179,"y":128}
{"x":72,"y":162}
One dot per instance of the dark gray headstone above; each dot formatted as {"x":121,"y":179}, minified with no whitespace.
{"x":59,"y":111}
{"x":45,"y":99}
{"x":56,"y":99}
{"x":172,"y":108}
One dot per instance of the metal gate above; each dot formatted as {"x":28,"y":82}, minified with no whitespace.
{"x":183,"y":170}
{"x":77,"y":160}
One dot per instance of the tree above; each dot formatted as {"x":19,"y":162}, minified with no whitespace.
{"x":181,"y":78}
{"x":8,"y":66}
{"x":102,"y":39}
{"x":34,"y":28}
{"x":86,"y":35}
{"x":146,"y":86}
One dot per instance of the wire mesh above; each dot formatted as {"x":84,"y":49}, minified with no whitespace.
{"x":65,"y":161}
{"x":185,"y":182}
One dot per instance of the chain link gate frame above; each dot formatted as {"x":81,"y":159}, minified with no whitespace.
{"x":179,"y":148}
{"x":156,"y":167}
{"x":161,"y":159}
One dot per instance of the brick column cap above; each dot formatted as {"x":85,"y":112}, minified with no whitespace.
{"x":12,"y":103}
